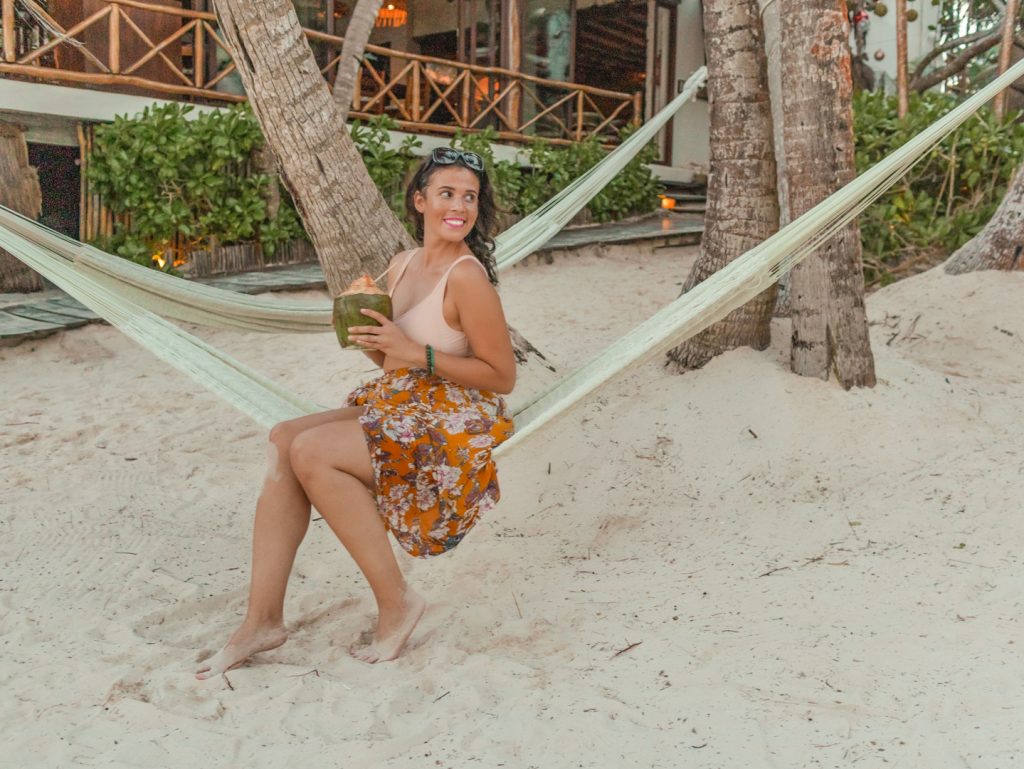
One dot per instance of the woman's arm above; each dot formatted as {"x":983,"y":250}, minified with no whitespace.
{"x":493,"y":365}
{"x":376,"y":355}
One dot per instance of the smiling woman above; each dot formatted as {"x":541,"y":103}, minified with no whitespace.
{"x":410,"y":453}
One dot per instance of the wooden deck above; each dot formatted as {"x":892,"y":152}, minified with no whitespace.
{"x":162,"y":50}
{"x":31,"y":316}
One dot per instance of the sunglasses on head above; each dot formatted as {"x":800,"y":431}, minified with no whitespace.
{"x":448,"y":156}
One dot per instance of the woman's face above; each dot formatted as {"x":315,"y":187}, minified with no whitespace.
{"x":449,"y":203}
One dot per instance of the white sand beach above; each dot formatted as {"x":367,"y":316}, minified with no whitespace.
{"x":733,"y":568}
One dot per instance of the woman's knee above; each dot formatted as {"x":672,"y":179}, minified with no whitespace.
{"x":282,"y":434}
{"x":302,"y":454}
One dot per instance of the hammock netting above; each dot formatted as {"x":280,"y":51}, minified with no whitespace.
{"x":133,"y":297}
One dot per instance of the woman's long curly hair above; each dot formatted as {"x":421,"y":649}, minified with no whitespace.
{"x":481,"y":238}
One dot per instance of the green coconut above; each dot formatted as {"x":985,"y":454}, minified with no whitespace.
{"x":362,"y":293}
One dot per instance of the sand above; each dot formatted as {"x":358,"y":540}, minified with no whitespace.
{"x":733,"y":568}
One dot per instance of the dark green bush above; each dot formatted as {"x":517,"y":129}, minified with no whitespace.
{"x":186,"y":178}
{"x":387,"y":167}
{"x":948,"y":197}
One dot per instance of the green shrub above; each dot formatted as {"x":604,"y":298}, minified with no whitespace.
{"x":190,"y":178}
{"x":387,"y":167}
{"x":185,"y":178}
{"x":633,"y":191}
{"x":949,"y":196}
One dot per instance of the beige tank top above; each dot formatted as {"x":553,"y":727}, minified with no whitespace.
{"x":424,"y":322}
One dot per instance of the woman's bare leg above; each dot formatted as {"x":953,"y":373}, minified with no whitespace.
{"x":332,"y":462}
{"x":281,"y":522}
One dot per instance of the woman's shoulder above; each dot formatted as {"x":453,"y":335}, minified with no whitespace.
{"x":468,"y":267}
{"x":469,"y":275}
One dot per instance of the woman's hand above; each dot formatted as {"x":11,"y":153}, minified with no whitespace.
{"x":386,"y":338}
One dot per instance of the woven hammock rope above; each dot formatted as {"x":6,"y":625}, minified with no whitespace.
{"x":172,"y":297}
{"x":703,"y":305}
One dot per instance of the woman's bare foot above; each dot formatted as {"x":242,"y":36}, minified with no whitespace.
{"x":393,"y":630}
{"x":245,"y":642}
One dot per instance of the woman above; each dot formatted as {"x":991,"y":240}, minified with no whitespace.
{"x":411,"y":452}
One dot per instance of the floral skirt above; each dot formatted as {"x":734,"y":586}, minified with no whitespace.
{"x":430,"y":443}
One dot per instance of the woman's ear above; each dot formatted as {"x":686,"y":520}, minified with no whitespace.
{"x":419,"y":201}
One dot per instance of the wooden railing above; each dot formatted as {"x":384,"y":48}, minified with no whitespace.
{"x":110,"y":49}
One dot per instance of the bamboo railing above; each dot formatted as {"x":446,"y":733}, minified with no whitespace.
{"x":422,"y":94}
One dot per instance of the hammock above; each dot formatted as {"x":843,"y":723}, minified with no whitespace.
{"x":172,"y":297}
{"x":700,"y":307}
{"x":750,"y":274}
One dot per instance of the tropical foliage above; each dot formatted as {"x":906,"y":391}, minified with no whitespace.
{"x":947,"y":198}
{"x":185,"y":179}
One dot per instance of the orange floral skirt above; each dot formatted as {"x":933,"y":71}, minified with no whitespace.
{"x":430,"y":443}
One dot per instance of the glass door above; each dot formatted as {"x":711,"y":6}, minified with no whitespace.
{"x":480,"y":32}
{"x":547,"y":52}
{"x":663,"y":66}
{"x":479,"y":43}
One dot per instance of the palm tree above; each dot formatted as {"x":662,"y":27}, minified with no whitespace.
{"x":351,"y":226}
{"x":348,"y":221}
{"x":826,"y":291}
{"x":1001,"y":244}
{"x":743,"y":206}
{"x":357,"y":35}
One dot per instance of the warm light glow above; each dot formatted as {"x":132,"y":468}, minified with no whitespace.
{"x":394,"y":14}
{"x":160,"y":261}
{"x":667,"y":202}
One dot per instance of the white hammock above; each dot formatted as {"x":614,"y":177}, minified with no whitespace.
{"x":706,"y":303}
{"x":194,"y":302}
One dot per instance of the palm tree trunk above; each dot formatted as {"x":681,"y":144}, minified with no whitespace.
{"x":350,"y":225}
{"x":19,"y":190}
{"x":352,"y":229}
{"x":1001,"y":244}
{"x":743,"y":206}
{"x":357,"y":35}
{"x":826,"y":291}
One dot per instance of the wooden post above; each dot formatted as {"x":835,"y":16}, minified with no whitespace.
{"x":1006,"y":51}
{"x":199,"y":54}
{"x":115,"y":39}
{"x":512,"y":52}
{"x":467,"y":95}
{"x":638,"y":105}
{"x":10,"y":46}
{"x":579,"y":116}
{"x":415,"y":105}
{"x":901,"y":58}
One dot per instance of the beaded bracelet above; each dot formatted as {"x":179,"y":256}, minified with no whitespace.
{"x":430,"y":359}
